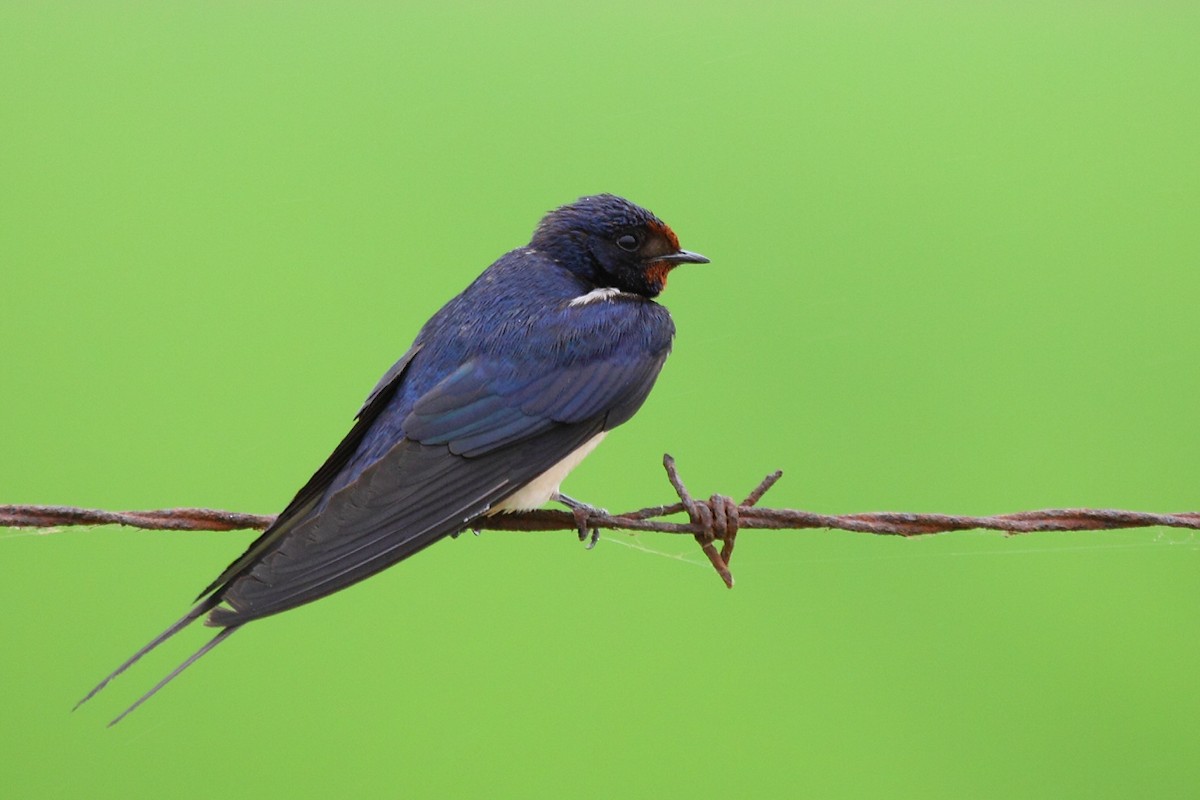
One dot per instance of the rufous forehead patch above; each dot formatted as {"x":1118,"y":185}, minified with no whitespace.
{"x":665,"y":230}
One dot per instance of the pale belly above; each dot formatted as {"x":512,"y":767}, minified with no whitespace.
{"x":545,"y":486}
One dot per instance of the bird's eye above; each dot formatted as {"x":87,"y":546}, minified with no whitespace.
{"x":628,"y":242}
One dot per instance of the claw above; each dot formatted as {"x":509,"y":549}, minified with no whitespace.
{"x":581,"y":511}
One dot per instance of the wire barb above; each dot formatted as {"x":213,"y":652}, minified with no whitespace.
{"x":717,"y":519}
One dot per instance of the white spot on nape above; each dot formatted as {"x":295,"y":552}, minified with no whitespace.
{"x":595,"y":295}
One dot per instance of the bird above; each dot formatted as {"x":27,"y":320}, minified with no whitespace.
{"x":503,"y":392}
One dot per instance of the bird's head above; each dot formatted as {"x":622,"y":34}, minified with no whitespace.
{"x":611,"y":242}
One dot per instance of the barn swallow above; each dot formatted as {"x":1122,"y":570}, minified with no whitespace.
{"x":505,"y":390}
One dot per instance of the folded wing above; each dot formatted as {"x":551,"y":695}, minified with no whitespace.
{"x":474,"y":439}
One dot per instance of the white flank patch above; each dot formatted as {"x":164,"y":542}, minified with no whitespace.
{"x":595,"y":295}
{"x":535,"y":493}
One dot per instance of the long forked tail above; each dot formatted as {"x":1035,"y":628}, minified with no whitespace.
{"x":196,"y":612}
{"x":213,"y":642}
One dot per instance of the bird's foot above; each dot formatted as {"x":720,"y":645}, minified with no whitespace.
{"x":581,"y":511}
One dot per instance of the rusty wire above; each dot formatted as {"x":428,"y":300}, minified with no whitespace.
{"x":718,"y":518}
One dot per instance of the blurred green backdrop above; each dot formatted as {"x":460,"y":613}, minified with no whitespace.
{"x":955,"y":251}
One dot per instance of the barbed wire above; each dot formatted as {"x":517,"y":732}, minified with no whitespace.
{"x":717,"y":519}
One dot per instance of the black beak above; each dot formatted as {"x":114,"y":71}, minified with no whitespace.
{"x":683,"y":257}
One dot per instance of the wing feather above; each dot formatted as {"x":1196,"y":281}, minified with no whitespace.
{"x":410,"y":498}
{"x":474,"y":413}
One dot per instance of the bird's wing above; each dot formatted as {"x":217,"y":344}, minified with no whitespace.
{"x":477,"y":437}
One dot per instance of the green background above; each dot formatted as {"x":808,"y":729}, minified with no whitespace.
{"x":955,"y":251}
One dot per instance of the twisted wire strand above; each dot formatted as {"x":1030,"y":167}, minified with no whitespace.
{"x":717,"y":519}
